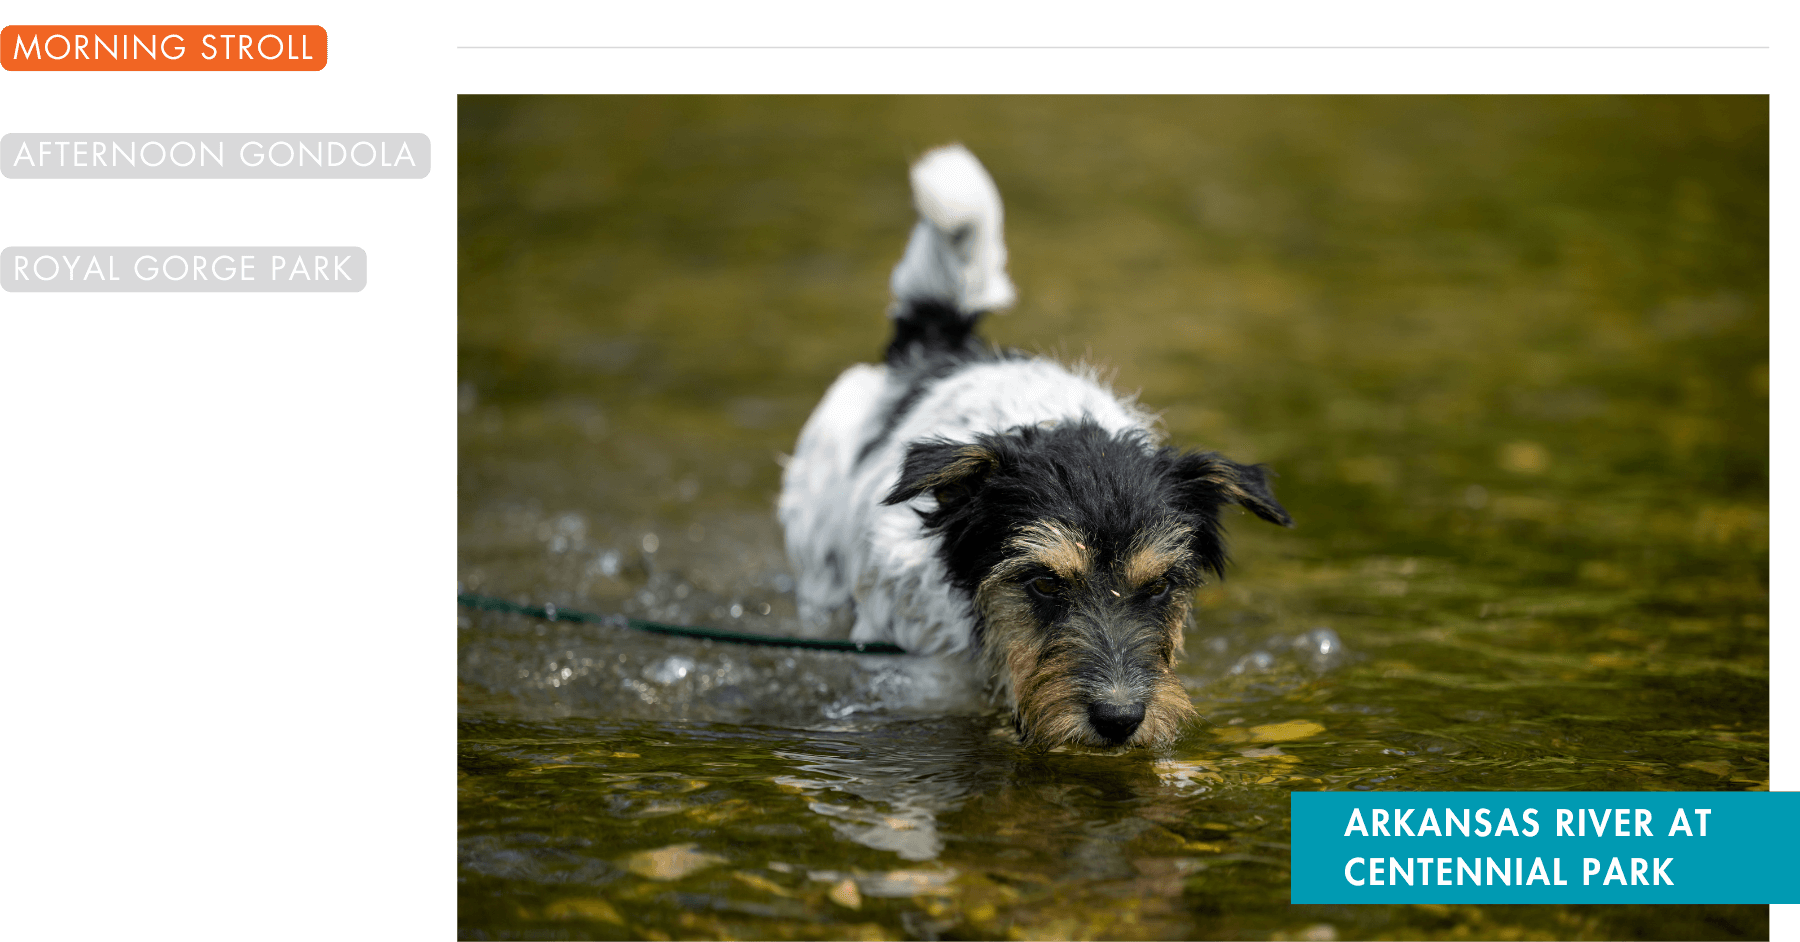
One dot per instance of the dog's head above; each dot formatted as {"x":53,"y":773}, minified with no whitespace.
{"x":1080,"y":549}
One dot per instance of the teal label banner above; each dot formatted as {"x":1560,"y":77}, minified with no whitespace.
{"x":1545,"y":847}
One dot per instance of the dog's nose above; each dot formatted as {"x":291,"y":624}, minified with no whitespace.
{"x":1116,"y":722}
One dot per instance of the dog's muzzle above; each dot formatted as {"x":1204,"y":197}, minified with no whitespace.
{"x":1122,"y":666}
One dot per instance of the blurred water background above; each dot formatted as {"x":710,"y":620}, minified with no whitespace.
{"x":1509,"y":356}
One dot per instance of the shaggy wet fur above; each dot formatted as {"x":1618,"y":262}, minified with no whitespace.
{"x":1080,"y":549}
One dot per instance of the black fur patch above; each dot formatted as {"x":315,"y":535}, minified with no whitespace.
{"x":1110,"y":487}
{"x":932,"y":327}
{"x":931,"y":341}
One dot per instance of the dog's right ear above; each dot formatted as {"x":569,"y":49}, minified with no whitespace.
{"x":951,"y":471}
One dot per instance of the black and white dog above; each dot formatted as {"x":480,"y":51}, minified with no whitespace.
{"x":962,"y":497}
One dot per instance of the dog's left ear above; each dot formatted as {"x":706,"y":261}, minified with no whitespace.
{"x":951,"y":471}
{"x":1209,"y":479}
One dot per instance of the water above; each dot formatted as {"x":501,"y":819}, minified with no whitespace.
{"x":1509,"y":356}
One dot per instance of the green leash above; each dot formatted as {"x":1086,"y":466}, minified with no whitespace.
{"x":554,"y":613}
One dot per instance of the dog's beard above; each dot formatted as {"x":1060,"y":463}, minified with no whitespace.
{"x":1052,"y":674}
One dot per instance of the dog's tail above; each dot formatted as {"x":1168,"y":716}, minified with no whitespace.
{"x":954,"y":269}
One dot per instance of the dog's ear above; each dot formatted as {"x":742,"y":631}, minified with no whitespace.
{"x":1209,"y":479}
{"x":951,"y":471}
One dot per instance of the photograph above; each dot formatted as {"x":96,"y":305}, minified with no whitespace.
{"x":973,"y":517}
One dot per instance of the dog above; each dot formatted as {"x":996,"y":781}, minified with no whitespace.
{"x":962,"y":498}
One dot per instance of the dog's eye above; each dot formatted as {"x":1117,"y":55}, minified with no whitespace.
{"x":1157,"y":590}
{"x":1045,"y":587}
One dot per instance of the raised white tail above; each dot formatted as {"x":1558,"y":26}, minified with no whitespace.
{"x":957,"y":254}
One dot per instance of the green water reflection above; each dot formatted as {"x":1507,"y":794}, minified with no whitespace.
{"x":1509,"y":356}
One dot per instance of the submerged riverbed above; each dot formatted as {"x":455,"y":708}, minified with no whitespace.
{"x":1508,"y":355}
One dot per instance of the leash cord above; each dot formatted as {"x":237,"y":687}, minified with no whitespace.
{"x":555,"y":613}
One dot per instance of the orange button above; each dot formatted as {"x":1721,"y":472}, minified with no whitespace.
{"x":162,"y":48}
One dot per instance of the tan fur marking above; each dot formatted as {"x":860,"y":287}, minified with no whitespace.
{"x":970,"y":460}
{"x":1168,"y":711}
{"x":1010,"y":641}
{"x":1154,"y":552}
{"x":1056,"y":547}
{"x":1227,"y":481}
{"x":1176,"y":626}
{"x":1049,"y":706}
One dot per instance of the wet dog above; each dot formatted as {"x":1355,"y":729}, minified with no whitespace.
{"x":959,"y":497}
